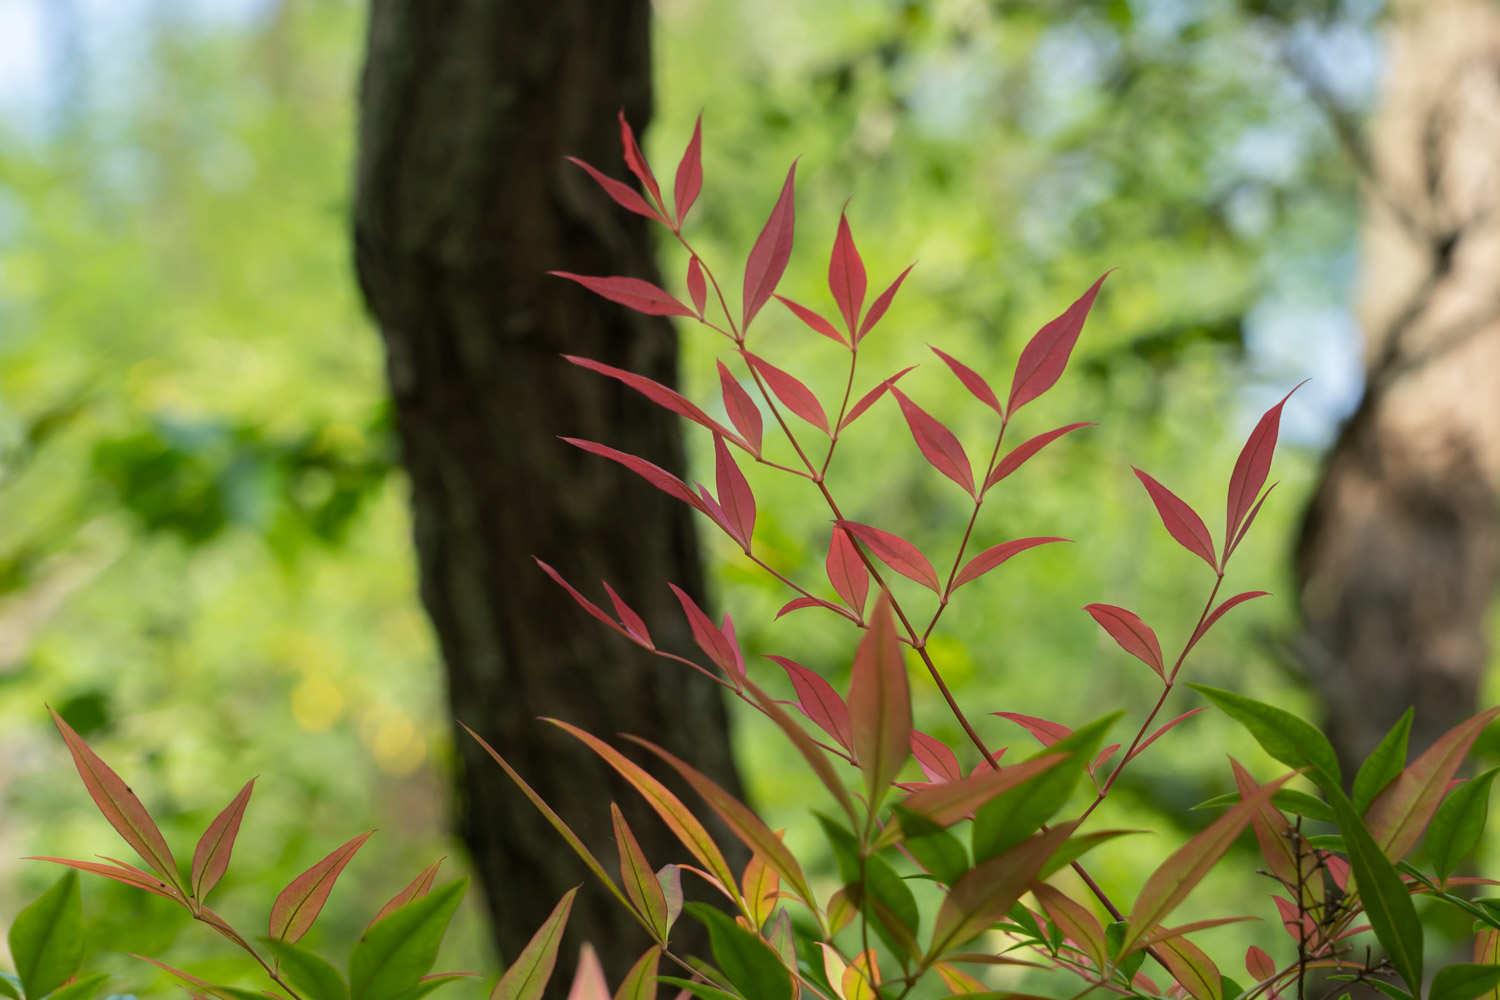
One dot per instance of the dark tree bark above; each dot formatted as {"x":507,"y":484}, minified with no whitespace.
{"x":467,"y":108}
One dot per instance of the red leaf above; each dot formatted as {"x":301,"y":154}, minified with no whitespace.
{"x":937,"y":443}
{"x":801,"y":603}
{"x":211,"y":856}
{"x":1219,"y":612}
{"x":846,"y":275}
{"x":1134,"y":636}
{"x":715,"y":645}
{"x":299,"y":904}
{"x":995,"y":555}
{"x":951,"y":801}
{"x":1254,"y":463}
{"x":642,"y":296}
{"x":689,"y":175}
{"x":634,"y":624}
{"x":971,"y":380}
{"x":697,"y":287}
{"x":1259,"y":964}
{"x":734,"y":493}
{"x":881,"y":304}
{"x":1046,"y":733}
{"x":583,"y":602}
{"x":814,"y":322}
{"x":773,"y":248}
{"x":623,"y":194}
{"x":1249,"y":520}
{"x":1046,"y":355}
{"x":743,"y":412}
{"x":897,"y":553}
{"x":793,"y":394}
{"x":880,"y":703}
{"x":870,"y":398}
{"x":1165,"y":728}
{"x":847,"y":571}
{"x":818,"y":701}
{"x":649,"y":471}
{"x":124,"y":874}
{"x":1018,"y":455}
{"x":1182,"y":522}
{"x":666,"y":398}
{"x":1103,"y":757}
{"x":937,"y":760}
{"x":636,"y":160}
{"x":417,"y":888}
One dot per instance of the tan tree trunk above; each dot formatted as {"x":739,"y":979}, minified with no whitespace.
{"x":1399,"y":556}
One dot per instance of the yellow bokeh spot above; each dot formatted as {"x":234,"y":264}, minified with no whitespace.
{"x":395,"y":743}
{"x":317,"y":703}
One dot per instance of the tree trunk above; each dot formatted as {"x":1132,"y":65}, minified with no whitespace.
{"x":467,"y":108}
{"x":1399,"y":556}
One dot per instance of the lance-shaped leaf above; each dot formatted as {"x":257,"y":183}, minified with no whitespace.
{"x":1384,"y":764}
{"x":896,"y":552}
{"x":818,"y":701}
{"x":689,"y":180}
{"x":734,"y":493}
{"x":710,"y":638}
{"x":696,"y":285}
{"x":679,"y":819}
{"x":872,"y":397}
{"x":1464,"y":981}
{"x":986,"y":893}
{"x":1224,"y":607}
{"x":743,"y":412}
{"x":633,"y":293}
{"x":46,"y":938}
{"x":772,"y":249}
{"x":1134,"y":635}
{"x":1387,"y":903}
{"x":971,"y":380}
{"x":635,"y":625}
{"x":1021,"y":453}
{"x":299,"y":904}
{"x":1163,"y":730}
{"x":1078,"y":846}
{"x":593,"y":609}
{"x":124,"y":874}
{"x":1254,"y":463}
{"x":119,"y":804}
{"x":1075,"y":921}
{"x":1279,"y":844}
{"x":640,"y":982}
{"x":937,"y":443}
{"x":312,"y":975}
{"x":527,"y":976}
{"x":880,"y":703}
{"x":211,"y":856}
{"x":1045,"y":731}
{"x":622,"y":194}
{"x":1281,"y":734}
{"x":936,"y":759}
{"x":663,"y":396}
{"x":637,"y":875}
{"x":635,"y":160}
{"x":588,"y":979}
{"x":1177,"y":876}
{"x":995,"y":555}
{"x":881,"y":304}
{"x":649,"y":471}
{"x":805,"y":746}
{"x":761,"y":888}
{"x":813,"y":321}
{"x":1399,"y":814}
{"x":1192,"y":968}
{"x":846,"y":275}
{"x":947,"y":803}
{"x":1045,"y":356}
{"x":415,"y":889}
{"x":1458,"y":824}
{"x":793,"y":394}
{"x":1181,"y":521}
{"x":847,"y":571}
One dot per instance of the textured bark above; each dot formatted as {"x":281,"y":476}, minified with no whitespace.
{"x":1399,"y":557}
{"x":467,"y":108}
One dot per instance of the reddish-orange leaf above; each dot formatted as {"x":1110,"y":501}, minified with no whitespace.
{"x":972,"y":380}
{"x":1219,"y":612}
{"x":416,"y":889}
{"x":847,"y":571}
{"x":951,"y":801}
{"x":761,"y":888}
{"x":773,"y":248}
{"x":125,"y":874}
{"x":635,"y":625}
{"x":119,"y":804}
{"x":696,"y":285}
{"x":880,"y":703}
{"x":623,"y":194}
{"x":1251,"y":468}
{"x":633,"y":293}
{"x":211,"y":856}
{"x":937,"y":760}
{"x":1249,"y":520}
{"x":1134,"y":635}
{"x":734,"y":494}
{"x":897,"y":553}
{"x":1046,"y":733}
{"x":995,"y":555}
{"x":689,"y":180}
{"x":1163,"y":730}
{"x":818,"y":701}
{"x":636,"y":161}
{"x":846,"y":275}
{"x":1075,"y":921}
{"x":872,"y":397}
{"x":881,"y":304}
{"x":743,"y":412}
{"x":1045,"y":356}
{"x":299,"y":904}
{"x":802,"y":603}
{"x":1182,"y":522}
{"x":1273,"y":834}
{"x":809,"y":750}
{"x":1194,"y":971}
{"x":714,"y":643}
{"x":1018,"y":455}
{"x":649,"y":471}
{"x":1259,"y":964}
{"x":666,"y":398}
{"x":583,"y":602}
{"x":638,"y":877}
{"x":813,"y":320}
{"x":937,"y":443}
{"x":988,"y":891}
{"x":793,"y":394}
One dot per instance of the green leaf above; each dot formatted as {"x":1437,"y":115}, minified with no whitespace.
{"x":701,"y":990}
{"x":1077,"y":846}
{"x":939,"y":851}
{"x":317,"y":979}
{"x":401,"y":947}
{"x":1281,"y":734}
{"x":1387,"y":904}
{"x":1383,"y":765}
{"x":86,"y":988}
{"x":528,"y":975}
{"x":46,"y":939}
{"x":433,"y":983}
{"x":10,"y":986}
{"x":1458,"y":824}
{"x":640,"y":982}
{"x":749,"y":964}
{"x":1464,"y":981}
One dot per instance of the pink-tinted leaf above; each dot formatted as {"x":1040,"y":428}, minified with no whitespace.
{"x":119,"y":804}
{"x":1163,"y":730}
{"x":773,"y":248}
{"x":881,"y":304}
{"x":1249,"y":520}
{"x":709,"y":637}
{"x":689,"y":179}
{"x":211,"y":856}
{"x":668,"y":399}
{"x":847,"y":571}
{"x":1279,"y":845}
{"x":416,"y":889}
{"x":1194,"y":971}
{"x":734,"y":493}
{"x":987,"y":892}
{"x":125,"y":874}
{"x":951,"y":801}
{"x":1103,"y":757}
{"x":1251,"y":468}
{"x":726,"y":629}
{"x":1046,"y":733}
{"x":937,"y":443}
{"x":636,"y":161}
{"x":897,"y":553}
{"x":527,"y":975}
{"x":995,"y":555}
{"x":743,"y":412}
{"x":1259,"y":964}
{"x":880,"y":703}
{"x":793,"y":394}
{"x":697,"y":286}
{"x":1046,"y":355}
{"x":634,"y":624}
{"x":715,"y":512}
{"x":299,"y":904}
{"x":588,"y":981}
{"x":623,"y":194}
{"x":1181,"y":521}
{"x":637,"y":876}
{"x":937,"y":760}
{"x":1399,"y":815}
{"x":810,"y":751}
{"x":818,"y":701}
{"x":870,"y":398}
{"x":583,"y":602}
{"x":1075,"y":921}
{"x":846,"y":275}
{"x":1134,"y":635}
{"x":633,"y":293}
{"x":761,"y":889}
{"x":1018,"y":455}
{"x":814,"y":322}
{"x":803,"y":603}
{"x":1219,"y":612}
{"x":649,"y":471}
{"x":972,"y":380}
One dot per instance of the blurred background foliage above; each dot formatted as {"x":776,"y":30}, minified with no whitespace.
{"x":204,"y":552}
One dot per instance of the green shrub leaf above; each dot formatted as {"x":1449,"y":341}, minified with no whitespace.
{"x":314,"y":977}
{"x":1458,"y":824}
{"x":86,"y":988}
{"x":1387,"y":904}
{"x":46,"y":939}
{"x":746,"y":961}
{"x":1383,"y":765}
{"x":10,"y":986}
{"x":401,"y":948}
{"x":528,"y":975}
{"x":1281,"y":734}
{"x":1464,"y":981}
